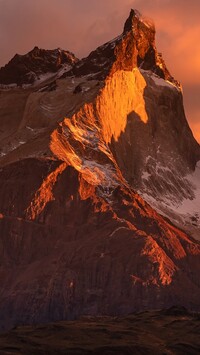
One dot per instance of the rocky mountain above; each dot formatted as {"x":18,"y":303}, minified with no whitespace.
{"x":80,"y":154}
{"x":34,"y":66}
{"x":134,"y":48}
{"x":165,"y":170}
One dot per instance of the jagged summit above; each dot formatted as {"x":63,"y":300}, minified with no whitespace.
{"x":134,"y":48}
{"x":27,"y":68}
{"x":134,"y":18}
{"x":138,"y":48}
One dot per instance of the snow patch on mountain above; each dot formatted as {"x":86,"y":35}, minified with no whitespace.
{"x":11,"y":147}
{"x":8,"y":87}
{"x":103,"y":175}
{"x":158,"y":81}
{"x":185,"y":212}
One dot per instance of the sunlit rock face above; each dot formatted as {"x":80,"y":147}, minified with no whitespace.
{"x":141,"y":114}
{"x":76,"y":237}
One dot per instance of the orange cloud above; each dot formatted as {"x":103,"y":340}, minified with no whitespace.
{"x":195,"y":124}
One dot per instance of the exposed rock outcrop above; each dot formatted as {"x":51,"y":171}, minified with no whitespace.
{"x":28,"y":68}
{"x":77,"y":249}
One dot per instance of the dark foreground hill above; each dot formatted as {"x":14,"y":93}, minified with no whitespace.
{"x":174,"y":331}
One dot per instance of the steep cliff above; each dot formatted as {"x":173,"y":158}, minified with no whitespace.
{"x":141,"y":114}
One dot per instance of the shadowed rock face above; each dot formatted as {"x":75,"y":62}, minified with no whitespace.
{"x":75,"y":237}
{"x":26,"y":69}
{"x":78,"y":249}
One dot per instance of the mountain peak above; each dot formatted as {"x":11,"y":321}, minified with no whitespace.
{"x":134,"y":48}
{"x":27,"y":68}
{"x":136,"y":17}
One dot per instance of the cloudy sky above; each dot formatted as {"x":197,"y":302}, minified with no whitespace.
{"x":82,"y":25}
